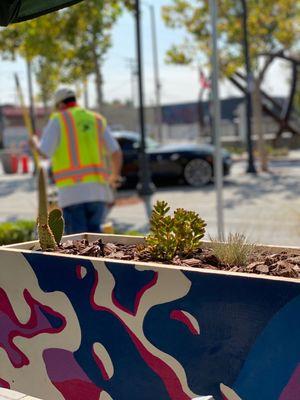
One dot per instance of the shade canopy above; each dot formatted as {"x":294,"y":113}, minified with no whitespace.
{"x":21,"y":10}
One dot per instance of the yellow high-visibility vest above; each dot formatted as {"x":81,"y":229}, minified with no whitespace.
{"x":81,"y":156}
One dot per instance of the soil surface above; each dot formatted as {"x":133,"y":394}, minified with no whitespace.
{"x":281,"y":264}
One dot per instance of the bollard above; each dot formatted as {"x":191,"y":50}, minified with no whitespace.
{"x":25,"y":164}
{"x":14,"y":163}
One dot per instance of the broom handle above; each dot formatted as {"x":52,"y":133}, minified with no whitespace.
{"x":27,"y":120}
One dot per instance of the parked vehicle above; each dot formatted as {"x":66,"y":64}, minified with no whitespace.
{"x":175,"y":163}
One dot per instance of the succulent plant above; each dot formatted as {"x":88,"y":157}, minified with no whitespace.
{"x":50,"y":225}
{"x":178,"y":235}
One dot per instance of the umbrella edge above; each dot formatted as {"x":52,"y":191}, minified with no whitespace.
{"x":38,"y":14}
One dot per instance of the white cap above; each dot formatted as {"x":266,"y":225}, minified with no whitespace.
{"x":63,"y":94}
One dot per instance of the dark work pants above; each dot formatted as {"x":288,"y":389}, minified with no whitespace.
{"x":85,"y":217}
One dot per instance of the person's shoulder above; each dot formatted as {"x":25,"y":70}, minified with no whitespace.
{"x":98,"y":115}
{"x":55,"y":115}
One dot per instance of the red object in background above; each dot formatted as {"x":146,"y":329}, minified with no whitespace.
{"x":204,"y":81}
{"x":14,"y":163}
{"x":25,"y":164}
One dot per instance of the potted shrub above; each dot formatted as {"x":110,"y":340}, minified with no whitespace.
{"x":97,"y":319}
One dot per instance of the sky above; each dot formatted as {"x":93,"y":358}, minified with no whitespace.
{"x":179,"y":83}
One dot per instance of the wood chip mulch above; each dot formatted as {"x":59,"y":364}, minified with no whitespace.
{"x":282,"y":264}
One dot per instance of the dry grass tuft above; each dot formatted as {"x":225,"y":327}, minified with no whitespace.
{"x":234,"y":251}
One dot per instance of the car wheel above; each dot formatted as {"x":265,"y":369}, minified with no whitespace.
{"x":198,"y":172}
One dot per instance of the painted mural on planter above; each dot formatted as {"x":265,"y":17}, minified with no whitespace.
{"x":77,"y":329}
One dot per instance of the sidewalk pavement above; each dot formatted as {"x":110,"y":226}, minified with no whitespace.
{"x":265,"y":207}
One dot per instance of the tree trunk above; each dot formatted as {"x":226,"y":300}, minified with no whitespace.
{"x":98,"y":80}
{"x":86,"y":93}
{"x":45,"y":105}
{"x":258,"y":125}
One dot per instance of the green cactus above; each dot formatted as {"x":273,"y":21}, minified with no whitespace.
{"x":56,"y":224}
{"x":47,"y":239}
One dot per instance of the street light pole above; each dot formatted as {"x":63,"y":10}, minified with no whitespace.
{"x":145,"y":186}
{"x":216,"y":114}
{"x":157,"y":85}
{"x":249,"y":78}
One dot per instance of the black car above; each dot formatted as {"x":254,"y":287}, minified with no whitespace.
{"x":176,"y":163}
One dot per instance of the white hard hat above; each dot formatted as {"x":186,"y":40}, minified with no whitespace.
{"x":63,"y":94}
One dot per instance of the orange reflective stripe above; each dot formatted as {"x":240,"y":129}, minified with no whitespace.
{"x":74,"y":136}
{"x":71,"y":138}
{"x":80,"y":168}
{"x":80,"y":173}
{"x":101,"y":142}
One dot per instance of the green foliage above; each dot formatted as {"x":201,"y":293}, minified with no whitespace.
{"x":65,"y":46}
{"x":38,"y":41}
{"x":234,"y":251}
{"x":237,"y":150}
{"x":180,"y":234}
{"x":272,"y":25}
{"x":277,"y":151}
{"x":56,"y":224}
{"x":45,"y":234}
{"x":17,"y":232}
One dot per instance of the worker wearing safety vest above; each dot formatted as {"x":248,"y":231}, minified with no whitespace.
{"x":86,"y":162}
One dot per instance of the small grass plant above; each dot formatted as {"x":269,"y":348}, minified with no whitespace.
{"x":235,"y":250}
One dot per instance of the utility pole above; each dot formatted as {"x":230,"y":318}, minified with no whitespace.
{"x":157,"y":84}
{"x":31,"y":100}
{"x":133,"y":73}
{"x":145,"y":186}
{"x":249,"y":78}
{"x":86,"y":93}
{"x":216,"y":114}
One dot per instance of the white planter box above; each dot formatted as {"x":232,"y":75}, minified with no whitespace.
{"x":79,"y":328}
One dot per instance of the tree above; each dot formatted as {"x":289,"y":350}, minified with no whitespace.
{"x":273,"y":26}
{"x":47,"y":75}
{"x":37,"y":41}
{"x":66,"y":46}
{"x":94,"y":20}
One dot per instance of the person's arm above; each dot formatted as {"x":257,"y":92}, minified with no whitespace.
{"x":34,"y":143}
{"x":49,"y":141}
{"x":116,"y":163}
{"x":114,"y":149}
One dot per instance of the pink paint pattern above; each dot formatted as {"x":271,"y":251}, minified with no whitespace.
{"x":292,"y":389}
{"x":36,"y":325}
{"x":4,"y":384}
{"x":138,"y":297}
{"x":163,"y":370}
{"x":181,"y":316}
